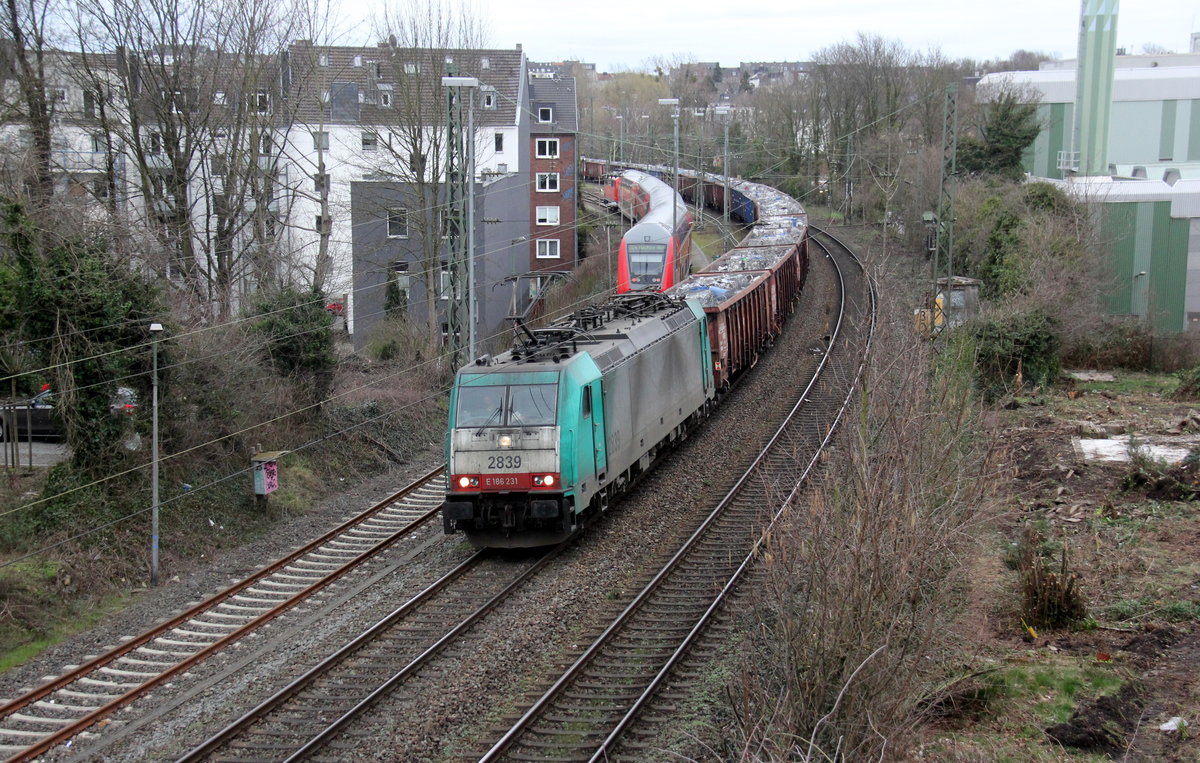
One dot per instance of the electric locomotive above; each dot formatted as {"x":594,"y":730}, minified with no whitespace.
{"x":547,"y":434}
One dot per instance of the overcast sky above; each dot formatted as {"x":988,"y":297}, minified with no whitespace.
{"x":623,"y":34}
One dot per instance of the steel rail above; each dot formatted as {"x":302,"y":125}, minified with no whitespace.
{"x":55,"y":738}
{"x":577,"y":668}
{"x":603,"y":751}
{"x":375,"y":632}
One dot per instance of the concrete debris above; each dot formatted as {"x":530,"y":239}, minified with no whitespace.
{"x":1117,"y":449}
{"x":1094,"y":376}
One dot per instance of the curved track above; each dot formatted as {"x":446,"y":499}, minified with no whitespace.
{"x":585,"y":714}
{"x":586,"y":710}
{"x":74,"y":702}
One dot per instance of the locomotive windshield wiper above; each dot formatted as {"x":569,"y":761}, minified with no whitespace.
{"x":491,"y":420}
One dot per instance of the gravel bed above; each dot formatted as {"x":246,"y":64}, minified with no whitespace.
{"x":516,"y":653}
{"x":443,"y":714}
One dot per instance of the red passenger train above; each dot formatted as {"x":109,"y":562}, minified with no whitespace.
{"x":653,"y":257}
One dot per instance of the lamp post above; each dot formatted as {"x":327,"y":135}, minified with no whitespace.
{"x":648,"y":141}
{"x":675,"y":164}
{"x":621,"y":137}
{"x":725,"y":111}
{"x":155,"y":331}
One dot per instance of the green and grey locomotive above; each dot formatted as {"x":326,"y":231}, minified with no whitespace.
{"x":545,"y":435}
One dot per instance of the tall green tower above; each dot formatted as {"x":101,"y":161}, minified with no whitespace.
{"x":1094,"y":85}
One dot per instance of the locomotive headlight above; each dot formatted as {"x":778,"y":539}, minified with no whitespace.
{"x":505,"y":441}
{"x":543,"y":480}
{"x":549,"y":480}
{"x":466,"y":481}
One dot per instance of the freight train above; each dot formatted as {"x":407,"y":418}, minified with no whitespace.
{"x":655,"y":252}
{"x":544,"y":436}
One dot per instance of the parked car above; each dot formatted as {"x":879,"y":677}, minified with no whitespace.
{"x":38,"y":413}
{"x":34,"y":416}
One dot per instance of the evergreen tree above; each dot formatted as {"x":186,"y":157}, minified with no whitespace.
{"x":1009,"y":128}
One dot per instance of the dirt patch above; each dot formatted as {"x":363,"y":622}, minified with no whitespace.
{"x":1109,"y":684}
{"x":1102,"y":725}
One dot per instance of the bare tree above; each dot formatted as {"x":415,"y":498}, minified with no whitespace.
{"x":426,"y":41}
{"x":189,"y":93}
{"x":26,"y":24}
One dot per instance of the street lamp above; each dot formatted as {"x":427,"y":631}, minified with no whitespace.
{"x":621,"y":139}
{"x":648,"y":142}
{"x":675,"y":167}
{"x":155,"y":331}
{"x":725,"y":111}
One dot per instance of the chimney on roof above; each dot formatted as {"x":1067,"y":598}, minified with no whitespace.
{"x":518,"y":46}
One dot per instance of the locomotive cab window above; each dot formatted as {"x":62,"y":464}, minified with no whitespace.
{"x":506,"y":406}
{"x":587,"y":402}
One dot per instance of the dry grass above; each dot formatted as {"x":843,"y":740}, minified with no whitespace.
{"x":862,"y":581}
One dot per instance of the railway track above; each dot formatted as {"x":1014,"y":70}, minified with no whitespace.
{"x":587,"y":712}
{"x":71,"y":704}
{"x":600,"y":696}
{"x":305,"y":714}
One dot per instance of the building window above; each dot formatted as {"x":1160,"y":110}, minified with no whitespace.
{"x":98,"y":146}
{"x":219,"y":98}
{"x":370,"y":141}
{"x":502,"y":168}
{"x":547,"y":249}
{"x":403,"y":282}
{"x":489,"y":100}
{"x":485,"y":63}
{"x":547,"y":181}
{"x":445,"y":286}
{"x":173,"y":101}
{"x":217,"y":165}
{"x":154,"y":143}
{"x":545,"y":114}
{"x":321,"y":182}
{"x":385,"y":99}
{"x":547,"y":148}
{"x":91,"y":99}
{"x":265,"y":146}
{"x":323,"y":60}
{"x":499,"y":143}
{"x":397,"y":223}
{"x":547,"y":215}
{"x":412,"y":68}
{"x":377,"y":68}
{"x":320,"y":141}
{"x":261,"y":102}
{"x":358,"y":60}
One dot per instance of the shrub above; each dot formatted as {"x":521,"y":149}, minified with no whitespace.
{"x":299,"y":334}
{"x":1049,"y":598}
{"x":1189,"y":384}
{"x":1112,"y":342}
{"x":1015,"y":350}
